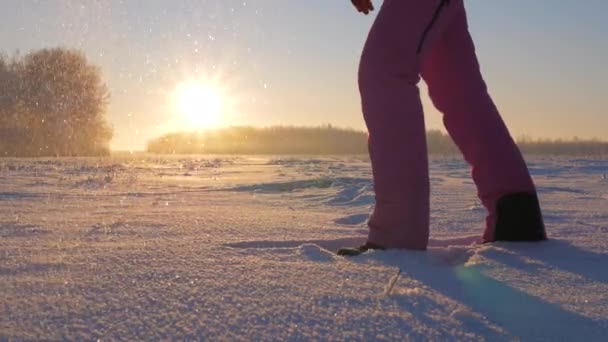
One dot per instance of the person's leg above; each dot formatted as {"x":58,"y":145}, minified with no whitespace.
{"x":388,"y":82}
{"x":452,"y":73}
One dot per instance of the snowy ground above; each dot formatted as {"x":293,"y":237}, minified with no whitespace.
{"x":242,"y":248}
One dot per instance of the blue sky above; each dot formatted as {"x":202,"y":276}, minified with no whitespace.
{"x":295,"y":62}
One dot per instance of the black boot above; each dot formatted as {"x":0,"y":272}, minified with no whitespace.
{"x":354,"y":251}
{"x":519,"y":218}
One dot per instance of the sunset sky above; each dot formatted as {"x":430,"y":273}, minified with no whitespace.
{"x":288,"y":62}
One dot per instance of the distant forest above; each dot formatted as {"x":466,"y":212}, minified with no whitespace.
{"x":331,"y":140}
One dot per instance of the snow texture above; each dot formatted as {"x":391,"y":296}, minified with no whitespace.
{"x":243,"y":249}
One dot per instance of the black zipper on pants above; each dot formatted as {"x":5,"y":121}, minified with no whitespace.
{"x":431,"y":24}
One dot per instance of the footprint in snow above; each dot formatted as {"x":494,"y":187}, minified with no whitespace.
{"x":450,"y":252}
{"x":315,"y":253}
{"x":352,"y":220}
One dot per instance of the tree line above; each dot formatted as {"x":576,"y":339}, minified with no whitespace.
{"x":331,"y":140}
{"x":572,"y":147}
{"x":277,"y":140}
{"x":52,"y":103}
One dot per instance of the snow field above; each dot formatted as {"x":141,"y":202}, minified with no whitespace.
{"x":242,"y":248}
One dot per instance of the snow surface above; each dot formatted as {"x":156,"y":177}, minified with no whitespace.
{"x":242,"y":248}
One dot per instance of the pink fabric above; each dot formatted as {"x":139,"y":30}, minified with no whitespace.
{"x":391,"y":65}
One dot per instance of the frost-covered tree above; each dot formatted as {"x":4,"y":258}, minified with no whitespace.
{"x":12,"y":132}
{"x":56,"y":105}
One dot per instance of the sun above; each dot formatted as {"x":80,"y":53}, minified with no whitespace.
{"x":199,"y":104}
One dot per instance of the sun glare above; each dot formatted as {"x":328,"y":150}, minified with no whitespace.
{"x":200,"y":105}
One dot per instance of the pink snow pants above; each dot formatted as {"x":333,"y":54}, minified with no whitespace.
{"x":429,"y":38}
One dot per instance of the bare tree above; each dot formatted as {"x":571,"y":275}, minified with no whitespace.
{"x":57,"y":100}
{"x":11,"y":132}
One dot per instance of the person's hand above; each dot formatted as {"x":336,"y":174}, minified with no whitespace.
{"x":363,"y":6}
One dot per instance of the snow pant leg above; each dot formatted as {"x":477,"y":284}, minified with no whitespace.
{"x":388,"y":82}
{"x":456,"y":87}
